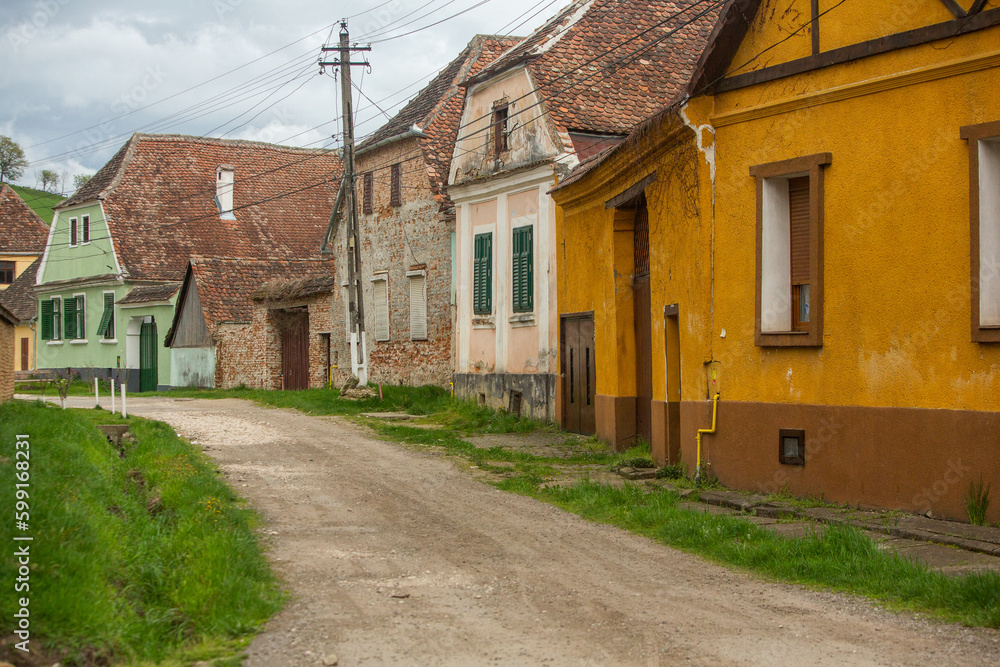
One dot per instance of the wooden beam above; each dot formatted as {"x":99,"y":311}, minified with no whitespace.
{"x":954,"y":8}
{"x":628,"y":198}
{"x":872,"y":47}
{"x":977,"y":7}
{"x":815,"y":25}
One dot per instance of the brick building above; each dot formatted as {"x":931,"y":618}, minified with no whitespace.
{"x":7,"y":322}
{"x":407,"y":233}
{"x":254,"y":323}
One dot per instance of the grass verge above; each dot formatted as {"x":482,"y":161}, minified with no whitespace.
{"x":138,"y":557}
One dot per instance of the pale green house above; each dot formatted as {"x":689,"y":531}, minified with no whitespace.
{"x":118,"y":248}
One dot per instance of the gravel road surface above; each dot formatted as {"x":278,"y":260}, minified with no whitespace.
{"x":400,"y":557}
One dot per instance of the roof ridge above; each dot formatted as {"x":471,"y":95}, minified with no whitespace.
{"x":6,"y":188}
{"x":218,"y":141}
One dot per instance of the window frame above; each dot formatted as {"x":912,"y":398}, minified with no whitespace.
{"x":482,"y":305}
{"x":368,"y":193}
{"x":813,"y":166}
{"x":518,"y":303}
{"x":396,"y":185}
{"x":974,"y":134}
{"x":383,"y":278}
{"x":798,"y":434}
{"x":499,"y":120}
{"x":110,"y":332}
{"x":5,"y":267}
{"x":84,"y":230}
{"x":79,"y":316}
{"x":411,"y":276}
{"x":73,"y":238}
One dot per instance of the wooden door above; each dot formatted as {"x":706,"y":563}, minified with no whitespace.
{"x":25,"y":357}
{"x":672,"y":348}
{"x":643,"y":331}
{"x":295,"y":350}
{"x":579,"y":375}
{"x":148,"y":366}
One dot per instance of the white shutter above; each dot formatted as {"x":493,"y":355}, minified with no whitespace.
{"x":418,"y":307}
{"x":382,"y":309}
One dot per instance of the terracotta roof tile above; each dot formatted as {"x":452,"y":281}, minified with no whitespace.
{"x":19,"y":297}
{"x":150,"y":293}
{"x":159,"y":199}
{"x":21,"y":230}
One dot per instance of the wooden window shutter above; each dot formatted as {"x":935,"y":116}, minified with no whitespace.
{"x":104,"y":328}
{"x":368,"y":200}
{"x":69,"y":318}
{"x":47,"y":319}
{"x":381,"y":310}
{"x":523,"y":270}
{"x":482,"y":287}
{"x":798,"y":206}
{"x":418,"y":307}
{"x":396,"y":194}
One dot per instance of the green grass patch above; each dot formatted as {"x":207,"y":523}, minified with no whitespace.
{"x":146,"y":556}
{"x":842,"y":558}
{"x":39,"y":201}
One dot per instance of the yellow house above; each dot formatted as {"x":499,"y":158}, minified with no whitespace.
{"x":821,"y":218}
{"x":22,"y":239}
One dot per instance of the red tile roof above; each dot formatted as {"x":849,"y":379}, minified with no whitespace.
{"x":19,"y":297}
{"x":159,"y":198}
{"x":150,"y":293}
{"x":21,"y":230}
{"x":575,"y":62}
{"x":437,"y":109}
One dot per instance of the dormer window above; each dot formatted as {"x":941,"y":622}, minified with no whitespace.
{"x":501,"y":117}
{"x":225,"y":176}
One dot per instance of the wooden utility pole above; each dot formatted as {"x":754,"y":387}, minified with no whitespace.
{"x":359,"y":348}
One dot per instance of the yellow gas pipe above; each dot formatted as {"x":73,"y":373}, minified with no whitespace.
{"x":702,"y":431}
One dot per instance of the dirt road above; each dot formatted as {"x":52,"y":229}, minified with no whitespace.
{"x":395,"y":556}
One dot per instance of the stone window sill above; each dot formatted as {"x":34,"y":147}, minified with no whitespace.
{"x":79,"y":341}
{"x":521,"y":320}
{"x":109,"y":341}
{"x":54,"y":342}
{"x":484,"y":322}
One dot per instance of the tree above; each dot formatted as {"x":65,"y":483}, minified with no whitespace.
{"x":12,"y":161}
{"x":80,"y":180}
{"x":49,"y":178}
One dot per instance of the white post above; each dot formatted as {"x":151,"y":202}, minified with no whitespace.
{"x":97,"y":395}
{"x":124,"y":411}
{"x":112,"y":396}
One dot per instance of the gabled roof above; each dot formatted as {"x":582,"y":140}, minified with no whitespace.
{"x":19,"y":297}
{"x":158,"y":194}
{"x":7,"y":316}
{"x":226,"y":285}
{"x":150,"y":293}
{"x":437,"y":109}
{"x":728,"y":34}
{"x":658,"y":45}
{"x":21,"y":230}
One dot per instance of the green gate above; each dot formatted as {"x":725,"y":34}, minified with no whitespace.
{"x":148,"y":373}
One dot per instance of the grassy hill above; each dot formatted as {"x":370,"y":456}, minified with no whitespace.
{"x":41,"y":202}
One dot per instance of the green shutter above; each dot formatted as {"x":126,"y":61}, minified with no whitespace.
{"x":69,"y":318}
{"x":482,"y":280}
{"x":109,"y":312}
{"x":522,"y":271}
{"x":81,"y":311}
{"x":47,"y":319}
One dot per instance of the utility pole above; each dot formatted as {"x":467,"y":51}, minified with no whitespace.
{"x":359,"y":347}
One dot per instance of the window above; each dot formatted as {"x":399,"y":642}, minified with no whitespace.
{"x":368,"y":196}
{"x":225,"y":177}
{"x":396,"y":192}
{"x":6,"y":273}
{"x":792,"y":446}
{"x":984,"y":217}
{"x":501,"y":113}
{"x":51,"y":319}
{"x":418,"y":305}
{"x":482,"y":275}
{"x":85,"y":225}
{"x":74,"y":318}
{"x":106,"y":328}
{"x":381,"y":303}
{"x":72,"y":232}
{"x":790,"y":251}
{"x":523,"y":290}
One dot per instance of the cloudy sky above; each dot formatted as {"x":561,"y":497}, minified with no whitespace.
{"x":80,"y":76}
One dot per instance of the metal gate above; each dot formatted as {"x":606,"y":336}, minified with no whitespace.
{"x":148,"y":371}
{"x":579,"y":374}
{"x":295,"y":349}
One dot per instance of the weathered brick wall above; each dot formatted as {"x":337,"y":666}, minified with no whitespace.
{"x":395,"y":240}
{"x":250,"y":354}
{"x":6,"y":361}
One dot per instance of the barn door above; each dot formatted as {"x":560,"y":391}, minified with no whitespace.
{"x":643,"y":331}
{"x":579,"y":375}
{"x":25,"y":356}
{"x":295,"y":350}
{"x":148,"y":371}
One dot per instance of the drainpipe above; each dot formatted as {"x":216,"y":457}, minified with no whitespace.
{"x":706,"y":431}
